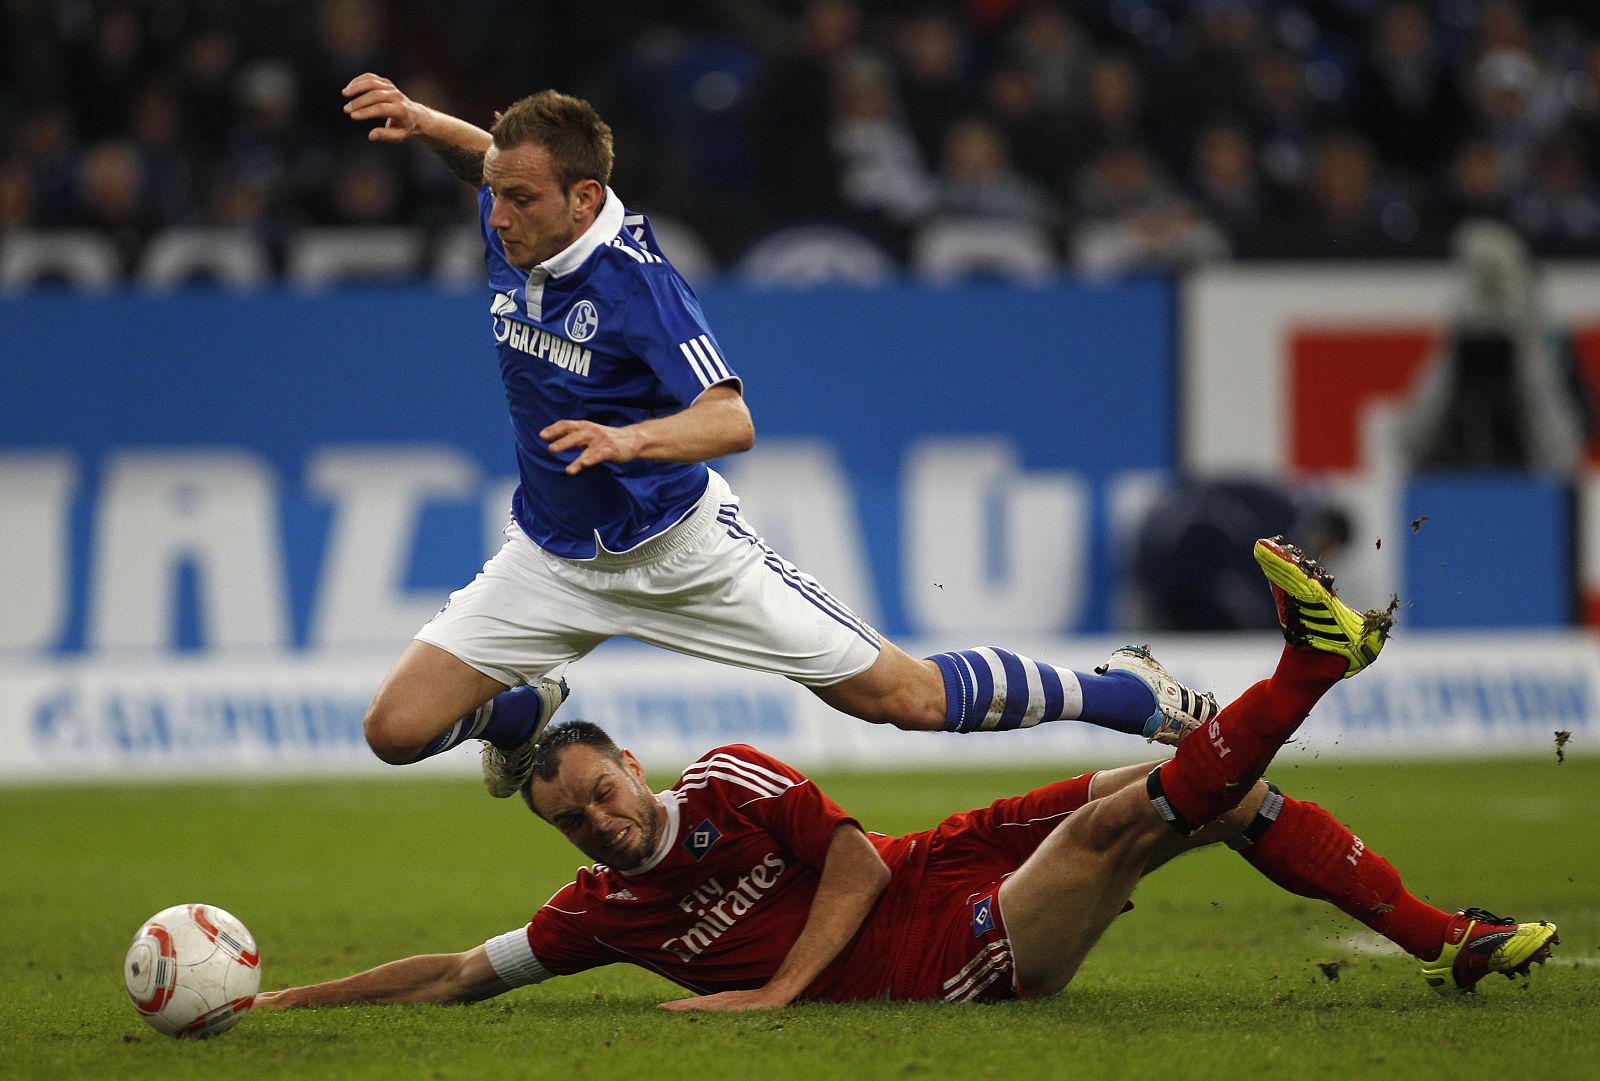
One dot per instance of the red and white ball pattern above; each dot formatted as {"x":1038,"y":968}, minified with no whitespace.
{"x":192,"y":970}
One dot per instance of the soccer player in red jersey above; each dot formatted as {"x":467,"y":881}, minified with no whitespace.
{"x":750,"y":887}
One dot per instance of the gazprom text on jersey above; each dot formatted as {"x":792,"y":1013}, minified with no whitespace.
{"x":539,"y":343}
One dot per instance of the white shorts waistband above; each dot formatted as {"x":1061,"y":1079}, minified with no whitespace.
{"x":683,"y":533}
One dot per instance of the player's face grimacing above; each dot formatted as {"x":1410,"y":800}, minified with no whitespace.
{"x":602,"y":806}
{"x":533,"y":216}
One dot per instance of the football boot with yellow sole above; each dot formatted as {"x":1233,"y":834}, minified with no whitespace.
{"x":1310,"y":612}
{"x":1477,"y":943}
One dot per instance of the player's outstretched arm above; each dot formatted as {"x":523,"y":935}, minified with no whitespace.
{"x":853,"y":877}
{"x":460,"y":145}
{"x":717,"y":423}
{"x":442,"y":978}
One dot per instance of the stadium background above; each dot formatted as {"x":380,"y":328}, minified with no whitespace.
{"x":1043,"y":311}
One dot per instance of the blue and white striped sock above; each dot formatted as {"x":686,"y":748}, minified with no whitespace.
{"x":505,"y":720}
{"x":994,"y":690}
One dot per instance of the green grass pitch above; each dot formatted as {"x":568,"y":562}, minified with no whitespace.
{"x":1214,"y":975}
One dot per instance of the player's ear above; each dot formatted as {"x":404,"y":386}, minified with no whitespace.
{"x":587,"y":195}
{"x":631,"y":764}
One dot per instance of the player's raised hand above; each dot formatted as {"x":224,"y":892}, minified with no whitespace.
{"x":600,"y":442}
{"x":373,"y":97}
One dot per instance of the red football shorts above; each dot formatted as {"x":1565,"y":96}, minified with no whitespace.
{"x":956,"y":947}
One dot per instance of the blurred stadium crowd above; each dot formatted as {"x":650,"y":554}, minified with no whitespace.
{"x":1109,"y":135}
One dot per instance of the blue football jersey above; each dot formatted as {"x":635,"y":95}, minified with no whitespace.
{"x":607,"y":331}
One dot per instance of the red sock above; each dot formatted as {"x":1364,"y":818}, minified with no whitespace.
{"x":1216,"y":765}
{"x":1306,"y":851}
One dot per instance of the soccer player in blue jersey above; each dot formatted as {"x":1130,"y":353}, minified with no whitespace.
{"x":619,"y":395}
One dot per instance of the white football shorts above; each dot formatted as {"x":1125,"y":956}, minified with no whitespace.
{"x":709,"y":587}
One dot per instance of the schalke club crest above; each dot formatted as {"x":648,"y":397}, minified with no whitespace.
{"x":582,"y":321}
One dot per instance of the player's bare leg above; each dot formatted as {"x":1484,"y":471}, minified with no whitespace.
{"x":433,"y":701}
{"x":898,"y":689}
{"x":990,"y":689}
{"x":1064,"y":896}
{"x":425,"y":693}
{"x":1107,"y":781}
{"x":1229,"y":829}
{"x":1296,"y":845}
{"x":1304,"y":850}
{"x":1060,"y":901}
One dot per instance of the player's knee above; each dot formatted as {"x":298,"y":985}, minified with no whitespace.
{"x":384,"y":732}
{"x":1119,"y":825}
{"x":1107,"y":781}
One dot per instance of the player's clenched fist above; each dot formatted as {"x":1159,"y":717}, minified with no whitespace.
{"x":372,"y":97}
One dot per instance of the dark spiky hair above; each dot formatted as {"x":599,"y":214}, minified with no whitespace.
{"x":556,"y":739}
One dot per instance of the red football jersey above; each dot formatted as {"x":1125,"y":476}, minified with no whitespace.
{"x":722,"y":899}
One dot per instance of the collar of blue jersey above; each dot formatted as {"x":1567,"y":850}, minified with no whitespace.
{"x":669,"y":835}
{"x":606,"y":225}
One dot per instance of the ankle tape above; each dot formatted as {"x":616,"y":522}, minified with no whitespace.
{"x":1158,"y":799}
{"x":1271,"y":808}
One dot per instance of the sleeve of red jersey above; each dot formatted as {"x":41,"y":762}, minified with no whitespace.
{"x":781,"y":799}
{"x":560,"y":935}
{"x":667,"y":330}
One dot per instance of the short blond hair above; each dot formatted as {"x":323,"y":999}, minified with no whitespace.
{"x":570,"y":130}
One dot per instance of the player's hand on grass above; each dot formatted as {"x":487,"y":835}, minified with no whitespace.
{"x":600,"y":442}
{"x":373,"y":97}
{"x":728,"y":1001}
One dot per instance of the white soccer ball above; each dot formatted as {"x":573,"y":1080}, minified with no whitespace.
{"x":192,"y":970}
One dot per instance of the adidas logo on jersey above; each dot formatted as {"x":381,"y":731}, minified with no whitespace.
{"x":622,"y":895}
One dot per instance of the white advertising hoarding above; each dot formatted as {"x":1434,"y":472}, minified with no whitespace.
{"x":1429,"y":695}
